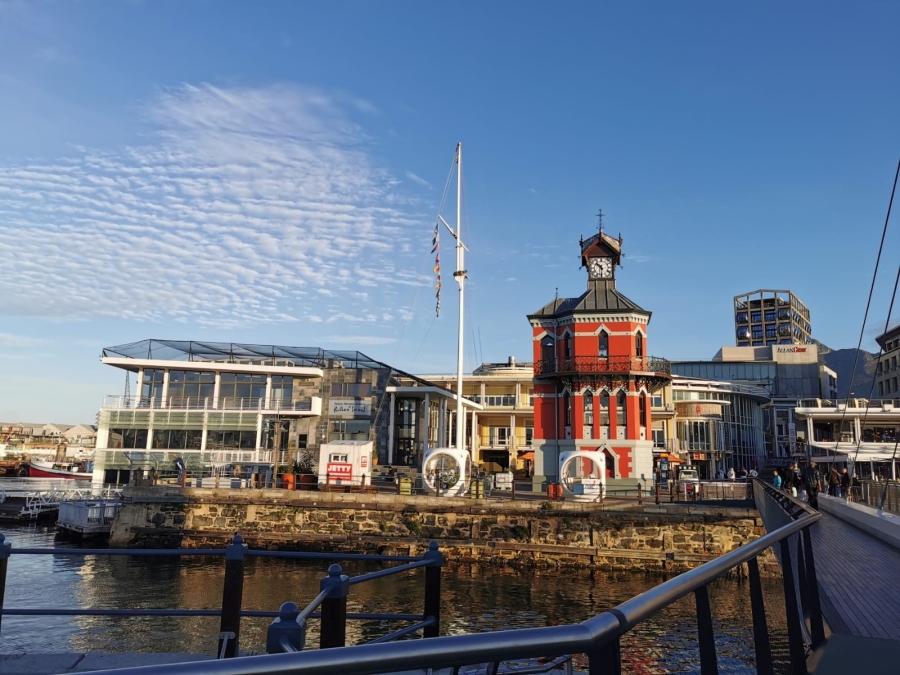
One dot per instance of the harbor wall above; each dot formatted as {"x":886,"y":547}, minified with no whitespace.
{"x":671,"y":537}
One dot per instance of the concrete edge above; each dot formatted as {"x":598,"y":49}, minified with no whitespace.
{"x":885,"y":527}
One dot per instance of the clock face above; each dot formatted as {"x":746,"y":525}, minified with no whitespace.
{"x":600,"y":268}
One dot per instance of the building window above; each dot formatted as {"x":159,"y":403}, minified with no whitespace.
{"x":241,"y":387}
{"x":529,"y":436}
{"x":127,"y":439}
{"x":225,"y":438}
{"x":189,"y":388}
{"x":282,"y":389}
{"x":620,"y":411}
{"x":604,"y":344}
{"x":588,"y":401}
{"x":567,"y":347}
{"x":351,"y":389}
{"x":349,"y":430}
{"x":604,"y":409}
{"x":770,"y":315}
{"x":659,"y":438}
{"x":771,"y":332}
{"x":639,"y":345}
{"x":642,"y":410}
{"x":152,"y":386}
{"x":755,"y":317}
{"x":548,"y":350}
{"x":567,"y":409}
{"x":656,"y":401}
{"x":499,"y":437}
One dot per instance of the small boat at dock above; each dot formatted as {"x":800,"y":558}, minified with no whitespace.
{"x":77,"y":471}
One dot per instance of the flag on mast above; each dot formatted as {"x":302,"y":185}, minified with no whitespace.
{"x":436,"y":249}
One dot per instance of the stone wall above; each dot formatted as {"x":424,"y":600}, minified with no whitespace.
{"x":520,"y":533}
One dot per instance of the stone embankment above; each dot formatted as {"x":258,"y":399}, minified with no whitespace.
{"x":667,"y":537}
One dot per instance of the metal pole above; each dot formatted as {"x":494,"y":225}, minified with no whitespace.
{"x":761,"y":642}
{"x":817,"y":628}
{"x":232,"y":598}
{"x":605,"y":661}
{"x":334,"y":608}
{"x":795,"y":637}
{"x":433,"y":590}
{"x":705,"y":633}
{"x":4,"y":560}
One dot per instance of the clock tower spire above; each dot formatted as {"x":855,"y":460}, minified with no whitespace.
{"x":601,"y":254}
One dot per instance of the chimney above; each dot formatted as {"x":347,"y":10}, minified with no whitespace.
{"x":512,"y":361}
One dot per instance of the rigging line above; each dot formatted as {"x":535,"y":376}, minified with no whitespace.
{"x":433,"y":319}
{"x":887,"y":219}
{"x":409,"y":311}
{"x":480,"y":349}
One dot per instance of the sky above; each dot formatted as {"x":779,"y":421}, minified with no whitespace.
{"x":271,"y":173}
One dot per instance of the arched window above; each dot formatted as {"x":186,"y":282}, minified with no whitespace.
{"x":642,"y":407}
{"x":604,"y":409}
{"x":604,"y":344}
{"x":567,"y":409}
{"x":639,"y":344}
{"x":620,"y":410}
{"x":548,"y":352}
{"x":588,"y":401}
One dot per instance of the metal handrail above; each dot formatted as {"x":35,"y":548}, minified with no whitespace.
{"x":594,"y":637}
{"x":602,"y":364}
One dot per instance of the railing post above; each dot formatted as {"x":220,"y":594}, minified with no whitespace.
{"x":817,"y":627}
{"x":605,"y":661}
{"x":433,"y":589}
{"x":4,"y":561}
{"x":285,"y":628}
{"x":801,"y":578}
{"x":705,"y":633}
{"x":795,"y":637}
{"x":232,"y":598}
{"x":761,"y":642}
{"x":334,"y":608}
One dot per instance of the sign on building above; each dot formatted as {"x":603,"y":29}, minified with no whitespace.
{"x":357,"y":408}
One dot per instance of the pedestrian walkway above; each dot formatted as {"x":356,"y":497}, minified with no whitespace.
{"x":858,"y":580}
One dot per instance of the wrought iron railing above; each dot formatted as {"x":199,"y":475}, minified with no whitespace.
{"x":584,"y":365}
{"x":287,"y":632}
{"x":598,"y":638}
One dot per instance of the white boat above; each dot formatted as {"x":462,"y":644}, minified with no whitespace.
{"x":447,"y":472}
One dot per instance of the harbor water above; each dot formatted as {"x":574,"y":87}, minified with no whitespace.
{"x":475,"y":598}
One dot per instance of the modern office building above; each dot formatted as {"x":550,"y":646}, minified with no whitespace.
{"x":222,"y":403}
{"x":593,"y":377}
{"x":784,"y":374}
{"x":887,"y":373}
{"x":767,"y":317}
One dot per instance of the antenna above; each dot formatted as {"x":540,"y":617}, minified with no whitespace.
{"x":127,"y":386}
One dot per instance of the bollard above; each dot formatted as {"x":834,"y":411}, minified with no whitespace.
{"x":232,"y":598}
{"x":657,"y":493}
{"x":513,"y":494}
{"x":433,"y":589}
{"x":4,"y":559}
{"x":286,"y":628}
{"x":640,"y":495}
{"x":334,"y":608}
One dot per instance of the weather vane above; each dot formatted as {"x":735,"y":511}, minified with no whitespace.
{"x":600,"y":220}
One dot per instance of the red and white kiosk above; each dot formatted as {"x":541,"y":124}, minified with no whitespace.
{"x":345,"y":463}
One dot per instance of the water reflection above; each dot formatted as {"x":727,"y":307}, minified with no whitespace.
{"x":475,"y":598}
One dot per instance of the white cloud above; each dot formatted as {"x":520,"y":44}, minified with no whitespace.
{"x":10,"y":340}
{"x":248,"y":200}
{"x":358,"y":340}
{"x":419,"y":180}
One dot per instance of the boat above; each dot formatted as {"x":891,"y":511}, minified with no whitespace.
{"x":77,"y":471}
{"x":447,"y":472}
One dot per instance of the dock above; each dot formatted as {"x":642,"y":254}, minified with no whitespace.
{"x":87,"y":518}
{"x":23,"y":500}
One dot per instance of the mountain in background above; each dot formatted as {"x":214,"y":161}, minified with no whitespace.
{"x":841,"y":362}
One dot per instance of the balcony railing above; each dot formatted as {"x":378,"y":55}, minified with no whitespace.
{"x":311,"y":405}
{"x":598,"y":364}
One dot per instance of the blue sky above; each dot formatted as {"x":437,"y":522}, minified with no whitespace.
{"x":270,"y":173}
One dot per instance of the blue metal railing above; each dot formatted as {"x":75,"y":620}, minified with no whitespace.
{"x":289,"y":627}
{"x":598,"y":638}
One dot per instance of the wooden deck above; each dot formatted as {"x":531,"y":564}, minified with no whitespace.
{"x":859,"y":580}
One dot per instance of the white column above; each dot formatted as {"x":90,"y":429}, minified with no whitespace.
{"x":476,"y":439}
{"x":138,"y":389}
{"x":513,"y":443}
{"x":165,"y":391}
{"x":216,"y":388}
{"x":427,"y":424}
{"x":857,"y":427}
{"x":203,"y":435}
{"x":268,"y":391}
{"x":150,"y":431}
{"x":393,"y":404}
{"x":259,"y":429}
{"x":442,"y":422}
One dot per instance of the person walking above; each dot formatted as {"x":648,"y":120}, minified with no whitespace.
{"x":845,"y":484}
{"x":731,"y":473}
{"x":179,"y":466}
{"x":834,"y":482}
{"x":776,"y":481}
{"x":792,"y":481}
{"x":812,"y":483}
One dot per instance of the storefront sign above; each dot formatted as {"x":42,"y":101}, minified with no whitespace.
{"x":339,"y":471}
{"x":353,"y":407}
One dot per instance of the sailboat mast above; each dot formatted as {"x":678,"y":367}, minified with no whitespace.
{"x":460,"y":276}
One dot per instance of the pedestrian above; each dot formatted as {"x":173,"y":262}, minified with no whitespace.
{"x":834,"y":482}
{"x":730,"y":473}
{"x":845,"y":484}
{"x":792,"y":482}
{"x":721,"y":474}
{"x":179,"y":466}
{"x":812,"y":483}
{"x":776,"y":481}
{"x":743,"y":473}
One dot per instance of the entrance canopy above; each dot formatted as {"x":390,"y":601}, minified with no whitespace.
{"x":841,"y":452}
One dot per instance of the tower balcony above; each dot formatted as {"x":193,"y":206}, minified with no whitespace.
{"x":598,"y":365}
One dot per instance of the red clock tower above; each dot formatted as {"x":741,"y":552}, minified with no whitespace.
{"x":592,"y":376}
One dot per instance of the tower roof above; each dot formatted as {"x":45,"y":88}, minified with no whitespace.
{"x":599,"y":298}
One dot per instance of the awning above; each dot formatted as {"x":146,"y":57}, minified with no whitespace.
{"x":527,"y":455}
{"x":673,"y":459}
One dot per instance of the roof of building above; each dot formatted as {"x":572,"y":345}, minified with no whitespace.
{"x":599,"y":298}
{"x":260,"y":355}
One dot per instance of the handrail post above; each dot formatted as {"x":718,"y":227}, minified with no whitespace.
{"x":5,"y":550}
{"x":334,"y":608}
{"x":232,"y":598}
{"x":433,"y":589}
{"x":606,"y":660}
{"x":817,"y":627}
{"x":795,"y":637}
{"x":761,"y":642}
{"x":285,"y":627}
{"x":705,"y":634}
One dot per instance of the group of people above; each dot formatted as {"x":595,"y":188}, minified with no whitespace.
{"x":808,"y":483}
{"x":742,"y":473}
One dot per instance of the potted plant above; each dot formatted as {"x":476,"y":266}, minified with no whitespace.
{"x":304,"y":468}
{"x":286,"y":477}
